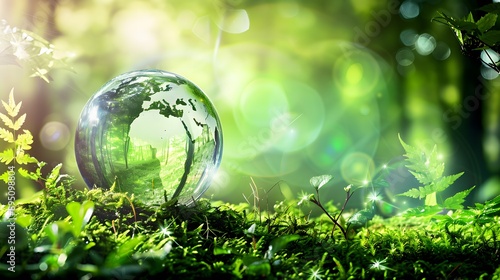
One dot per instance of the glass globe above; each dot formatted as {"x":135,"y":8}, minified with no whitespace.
{"x":153,"y":134}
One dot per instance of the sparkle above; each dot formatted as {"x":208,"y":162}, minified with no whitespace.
{"x":374,"y":197}
{"x":315,"y":274}
{"x":165,"y":230}
{"x":304,"y":198}
{"x":378,"y":265}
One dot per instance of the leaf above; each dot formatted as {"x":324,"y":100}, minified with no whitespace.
{"x":456,"y":201}
{"x":23,"y":158}
{"x":11,"y":107}
{"x":446,"y":181}
{"x":414,"y":193}
{"x":7,"y":156}
{"x":24,"y":140}
{"x":5,"y":177}
{"x":425,"y":168}
{"x":361,"y":218}
{"x":319,"y":181}
{"x":491,"y":38}
{"x":122,"y":254}
{"x":53,"y":177}
{"x":7,"y":121}
{"x":6,"y":135}
{"x":19,"y":122}
{"x":27,"y":174}
{"x":223,"y":251}
{"x":491,"y":8}
{"x":280,"y":243}
{"x":486,"y":22}
{"x":81,"y":214}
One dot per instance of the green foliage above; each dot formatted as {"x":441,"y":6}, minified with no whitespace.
{"x":17,"y":143}
{"x":476,"y":35}
{"x":428,"y":170}
{"x":24,"y":48}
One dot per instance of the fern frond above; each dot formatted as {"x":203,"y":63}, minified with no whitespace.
{"x":6,"y":135}
{"x":19,"y":122}
{"x":12,"y":108}
{"x":24,"y":140}
{"x":456,"y":201}
{"x":7,"y":121}
{"x":7,"y":156}
{"x":446,"y":181}
{"x":23,"y":158}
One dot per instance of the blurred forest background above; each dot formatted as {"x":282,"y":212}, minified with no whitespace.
{"x":302,"y":88}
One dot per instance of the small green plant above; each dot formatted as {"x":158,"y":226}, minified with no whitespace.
{"x":18,"y":143}
{"x":428,"y":169}
{"x":356,"y":220}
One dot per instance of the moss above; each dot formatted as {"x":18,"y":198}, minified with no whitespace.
{"x":221,"y":240}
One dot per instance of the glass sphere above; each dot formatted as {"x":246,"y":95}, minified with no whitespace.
{"x":151,"y":133}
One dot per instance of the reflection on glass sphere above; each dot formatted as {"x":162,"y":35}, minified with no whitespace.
{"x":151,"y":133}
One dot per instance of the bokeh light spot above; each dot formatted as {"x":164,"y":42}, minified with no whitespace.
{"x":261,"y":101}
{"x":489,"y":56}
{"x":425,"y":44}
{"x":488,"y":73}
{"x":54,"y":136}
{"x":408,"y":37}
{"x":301,"y":125}
{"x":357,"y":167}
{"x":405,"y":57}
{"x":442,"y":51}
{"x":354,"y":73}
{"x":450,"y":95}
{"x":409,"y":10}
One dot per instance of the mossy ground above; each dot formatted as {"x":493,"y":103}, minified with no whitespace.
{"x":126,"y":240}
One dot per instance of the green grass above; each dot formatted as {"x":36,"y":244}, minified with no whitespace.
{"x":126,"y":240}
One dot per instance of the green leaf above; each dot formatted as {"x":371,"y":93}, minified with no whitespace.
{"x":414,"y":193}
{"x":223,"y":251}
{"x":280,"y":242}
{"x":24,"y":140}
{"x":319,"y":181}
{"x":361,"y":218}
{"x":7,"y":156}
{"x":7,"y":121}
{"x":11,"y":107}
{"x":491,"y":8}
{"x":123,"y":253}
{"x":425,"y":168}
{"x":23,"y":158}
{"x":5,"y":177}
{"x":27,"y":174}
{"x":19,"y":122}
{"x":456,"y":201}
{"x":491,"y":38}
{"x":53,"y":177}
{"x":446,"y":181}
{"x":81,"y":214}
{"x":486,"y":22}
{"x":256,"y":266}
{"x":6,"y":135}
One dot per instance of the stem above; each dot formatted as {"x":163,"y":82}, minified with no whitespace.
{"x":317,"y":202}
